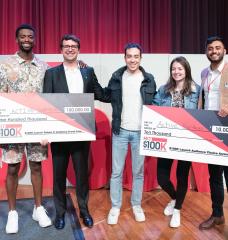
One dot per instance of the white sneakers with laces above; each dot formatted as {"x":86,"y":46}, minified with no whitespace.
{"x":168,"y":211}
{"x":175,"y":220}
{"x":139,"y":214}
{"x":175,"y":213}
{"x":113,"y":216}
{"x":115,"y":212}
{"x":12,"y":222}
{"x":40,"y":215}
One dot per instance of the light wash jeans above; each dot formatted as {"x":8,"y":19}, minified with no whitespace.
{"x":119,"y":152}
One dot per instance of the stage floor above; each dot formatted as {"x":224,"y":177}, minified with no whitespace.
{"x":196,"y":208}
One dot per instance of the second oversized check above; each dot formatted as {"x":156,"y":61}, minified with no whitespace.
{"x":58,"y":117}
{"x":184,"y":134}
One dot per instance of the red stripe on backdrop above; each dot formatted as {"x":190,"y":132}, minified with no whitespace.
{"x":104,"y":26}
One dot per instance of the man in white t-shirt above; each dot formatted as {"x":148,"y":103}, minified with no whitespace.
{"x":130,"y":87}
{"x":212,"y":100}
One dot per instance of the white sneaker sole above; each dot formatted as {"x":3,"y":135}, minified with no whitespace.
{"x":174,"y":225}
{"x":112,"y":223}
{"x":140,"y":220}
{"x":42,"y":225}
{"x":11,"y":232}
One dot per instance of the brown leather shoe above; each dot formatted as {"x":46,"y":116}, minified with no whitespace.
{"x":210,"y":222}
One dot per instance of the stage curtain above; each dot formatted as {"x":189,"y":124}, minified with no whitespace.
{"x":193,"y":21}
{"x":104,"y":26}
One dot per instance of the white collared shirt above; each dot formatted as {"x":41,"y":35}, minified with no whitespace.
{"x":74,"y":79}
{"x":211,"y":88}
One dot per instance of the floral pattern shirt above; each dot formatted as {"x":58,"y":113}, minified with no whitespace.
{"x":177,"y":99}
{"x":18,"y":75}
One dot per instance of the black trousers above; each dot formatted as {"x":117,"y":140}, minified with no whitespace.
{"x":217,"y":189}
{"x":61,"y":153}
{"x":225,"y":169}
{"x":163,"y":173}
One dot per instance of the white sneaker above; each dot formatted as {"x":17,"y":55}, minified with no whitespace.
{"x":40,"y":215}
{"x":113,"y":215}
{"x":139,"y":214}
{"x":12,"y":222}
{"x":175,"y":220}
{"x":168,"y":211}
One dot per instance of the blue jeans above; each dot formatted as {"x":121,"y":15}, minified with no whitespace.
{"x":119,"y":152}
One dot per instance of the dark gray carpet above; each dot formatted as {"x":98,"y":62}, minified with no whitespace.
{"x":30,"y":229}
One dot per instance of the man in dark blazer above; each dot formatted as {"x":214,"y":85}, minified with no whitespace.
{"x":70,"y":78}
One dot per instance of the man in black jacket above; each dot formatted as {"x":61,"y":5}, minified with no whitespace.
{"x":130,"y":87}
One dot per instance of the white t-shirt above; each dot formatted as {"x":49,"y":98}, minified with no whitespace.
{"x":132,"y":101}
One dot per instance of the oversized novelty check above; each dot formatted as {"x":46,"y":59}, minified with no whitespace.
{"x":184,"y":134}
{"x":32,"y":117}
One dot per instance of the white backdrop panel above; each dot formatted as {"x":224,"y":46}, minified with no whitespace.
{"x":105,"y":64}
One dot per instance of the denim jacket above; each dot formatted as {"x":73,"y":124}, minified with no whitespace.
{"x":165,"y":99}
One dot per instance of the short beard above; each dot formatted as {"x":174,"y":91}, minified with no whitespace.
{"x":216,"y":61}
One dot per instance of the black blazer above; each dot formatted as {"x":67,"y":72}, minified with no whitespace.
{"x":55,"y":81}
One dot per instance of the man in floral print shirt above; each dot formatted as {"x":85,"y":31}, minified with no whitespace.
{"x":23,"y":72}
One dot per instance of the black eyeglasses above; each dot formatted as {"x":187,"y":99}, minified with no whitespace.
{"x":70,"y":46}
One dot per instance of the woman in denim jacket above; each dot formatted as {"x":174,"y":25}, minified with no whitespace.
{"x":179,"y":91}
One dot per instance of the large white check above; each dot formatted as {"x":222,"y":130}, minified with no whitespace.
{"x":184,"y":134}
{"x":32,"y":117}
